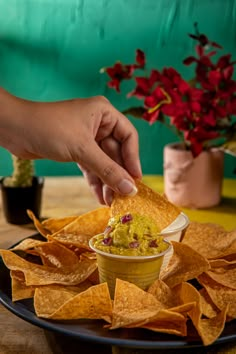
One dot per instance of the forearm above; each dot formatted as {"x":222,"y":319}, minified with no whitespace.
{"x":13,"y":113}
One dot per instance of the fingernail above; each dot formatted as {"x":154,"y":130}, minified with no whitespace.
{"x":127,"y":187}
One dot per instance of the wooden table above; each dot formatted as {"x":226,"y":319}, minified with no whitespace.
{"x":64,"y":196}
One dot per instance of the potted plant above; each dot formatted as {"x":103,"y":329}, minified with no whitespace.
{"x":21,"y":191}
{"x":200,"y":111}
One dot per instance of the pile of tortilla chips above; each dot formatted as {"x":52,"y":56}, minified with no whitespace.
{"x":197,"y":288}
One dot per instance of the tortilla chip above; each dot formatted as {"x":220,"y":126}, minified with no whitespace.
{"x":91,"y":223}
{"x":146,"y":202}
{"x":41,"y":229}
{"x":211,"y":328}
{"x":81,"y":242}
{"x":54,"y":254}
{"x":17,"y":275}
{"x":208,"y":329}
{"x":210,"y":240}
{"x":208,"y":308}
{"x":185,"y":264}
{"x":50,"y":298}
{"x":132,"y":305}
{"x":18,"y":287}
{"x":224,"y":275}
{"x":43,"y":275}
{"x":79,"y":232}
{"x":167,"y":322}
{"x":27,"y":245}
{"x":93,"y":303}
{"x":73,"y":276}
{"x":89,"y":255}
{"x":184,"y":309}
{"x":21,"y":291}
{"x":219,"y":294}
{"x":188,"y":294}
{"x":56,"y":224}
{"x":220,"y":262}
{"x":47,"y":301}
{"x":163,"y":293}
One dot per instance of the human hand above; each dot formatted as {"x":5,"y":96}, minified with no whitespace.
{"x":118,"y":139}
{"x":90,"y":132}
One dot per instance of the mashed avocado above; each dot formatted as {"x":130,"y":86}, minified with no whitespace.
{"x":131,"y":235}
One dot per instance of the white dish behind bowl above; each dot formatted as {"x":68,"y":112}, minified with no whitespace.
{"x":174,"y":232}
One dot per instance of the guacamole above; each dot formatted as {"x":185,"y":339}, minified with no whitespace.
{"x":131,"y":235}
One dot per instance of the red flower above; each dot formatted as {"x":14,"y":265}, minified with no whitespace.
{"x":118,"y":73}
{"x":145,"y":85}
{"x":140,"y":58}
{"x":200,"y":109}
{"x":155,"y":98}
{"x":153,"y":104}
{"x":197,"y":136}
{"x":151,"y":117}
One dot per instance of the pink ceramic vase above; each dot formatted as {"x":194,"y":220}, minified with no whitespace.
{"x":193,"y":182}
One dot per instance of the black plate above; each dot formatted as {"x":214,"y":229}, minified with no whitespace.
{"x":93,"y":331}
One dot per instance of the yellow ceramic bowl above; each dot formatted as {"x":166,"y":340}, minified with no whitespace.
{"x":139,"y":270}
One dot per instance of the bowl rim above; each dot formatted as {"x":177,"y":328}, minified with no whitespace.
{"x":176,"y":225}
{"x":133,"y":258}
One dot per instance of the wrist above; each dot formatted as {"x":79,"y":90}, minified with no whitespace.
{"x":13,"y":116}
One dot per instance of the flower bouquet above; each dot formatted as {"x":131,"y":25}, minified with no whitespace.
{"x":201,"y":111}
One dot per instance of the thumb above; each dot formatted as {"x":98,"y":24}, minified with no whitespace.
{"x":111,"y":173}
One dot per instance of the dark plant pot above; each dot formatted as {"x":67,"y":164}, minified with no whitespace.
{"x":16,"y":200}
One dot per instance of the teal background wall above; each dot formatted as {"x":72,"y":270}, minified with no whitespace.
{"x":53,"y":50}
